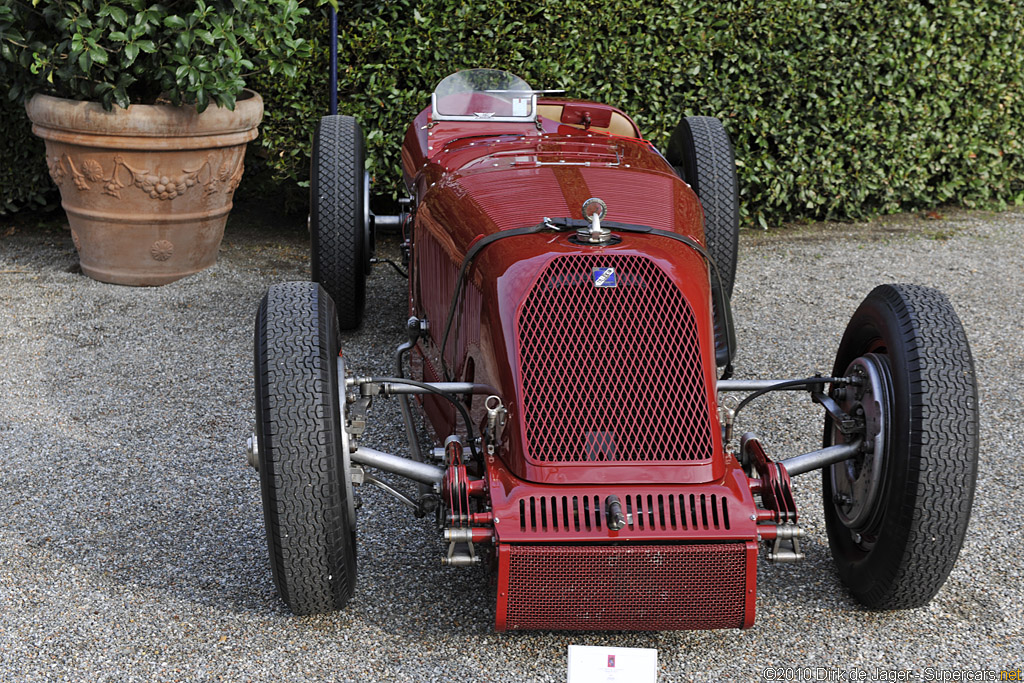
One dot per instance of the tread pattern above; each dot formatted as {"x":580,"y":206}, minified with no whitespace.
{"x":716,"y":186}
{"x":337,"y":234}
{"x":702,"y":155}
{"x":309,"y":535}
{"x":930,"y":490}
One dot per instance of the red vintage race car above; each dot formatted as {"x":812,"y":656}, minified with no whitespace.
{"x":570,"y":345}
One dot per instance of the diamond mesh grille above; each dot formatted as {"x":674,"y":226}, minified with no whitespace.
{"x":630,"y":587}
{"x":611,"y":373}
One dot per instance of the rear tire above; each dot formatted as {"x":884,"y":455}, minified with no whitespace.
{"x":310,"y":536}
{"x":895,"y":546}
{"x":702,"y":155}
{"x":340,"y":230}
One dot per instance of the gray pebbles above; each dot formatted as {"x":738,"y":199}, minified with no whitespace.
{"x":132,"y":545}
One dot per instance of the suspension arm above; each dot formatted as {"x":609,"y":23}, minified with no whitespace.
{"x":403,"y":467}
{"x":815,"y":460}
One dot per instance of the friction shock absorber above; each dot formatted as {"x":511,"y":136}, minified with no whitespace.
{"x":457,"y":489}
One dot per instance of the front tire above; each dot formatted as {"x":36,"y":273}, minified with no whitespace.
{"x":896,"y":519}
{"x":310,"y":535}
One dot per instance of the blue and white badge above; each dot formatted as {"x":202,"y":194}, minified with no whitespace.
{"x":605,"y":277}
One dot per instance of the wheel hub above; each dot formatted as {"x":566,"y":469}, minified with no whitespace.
{"x":856,"y":483}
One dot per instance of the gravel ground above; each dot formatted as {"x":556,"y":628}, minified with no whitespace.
{"x":132,"y":545}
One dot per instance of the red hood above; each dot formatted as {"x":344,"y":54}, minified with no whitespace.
{"x":512,"y":181}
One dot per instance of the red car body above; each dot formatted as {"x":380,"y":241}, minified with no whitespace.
{"x":609,"y":390}
{"x":569,"y":315}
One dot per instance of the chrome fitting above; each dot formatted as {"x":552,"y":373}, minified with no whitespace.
{"x":791,"y":533}
{"x":613,"y":513}
{"x":785,"y":556}
{"x":460,"y":560}
{"x":468,"y":535}
{"x":594,"y":210}
{"x":252,"y":452}
{"x":496,"y":418}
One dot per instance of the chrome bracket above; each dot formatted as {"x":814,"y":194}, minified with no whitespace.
{"x":791,"y":534}
{"x":847,"y":424}
{"x":460,"y":559}
{"x":497,"y":415}
{"x":360,"y":476}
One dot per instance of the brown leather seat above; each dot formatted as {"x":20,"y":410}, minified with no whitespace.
{"x":618,"y":123}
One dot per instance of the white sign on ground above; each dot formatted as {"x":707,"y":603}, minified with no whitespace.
{"x":590,"y":664}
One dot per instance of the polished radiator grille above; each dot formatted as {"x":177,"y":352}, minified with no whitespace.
{"x":611,"y":373}
{"x":627,"y":587}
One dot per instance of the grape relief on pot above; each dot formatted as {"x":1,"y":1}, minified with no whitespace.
{"x":154,"y":183}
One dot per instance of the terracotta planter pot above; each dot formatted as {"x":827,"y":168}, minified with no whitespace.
{"x":147,"y":189}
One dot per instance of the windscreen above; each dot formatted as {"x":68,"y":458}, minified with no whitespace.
{"x":484,"y":94}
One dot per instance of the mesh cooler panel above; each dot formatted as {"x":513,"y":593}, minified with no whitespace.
{"x":611,"y":373}
{"x":629,"y":588}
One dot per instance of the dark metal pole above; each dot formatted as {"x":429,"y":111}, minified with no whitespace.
{"x":397,"y":388}
{"x":334,"y":62}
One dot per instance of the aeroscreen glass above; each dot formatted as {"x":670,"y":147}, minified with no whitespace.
{"x":484,"y":94}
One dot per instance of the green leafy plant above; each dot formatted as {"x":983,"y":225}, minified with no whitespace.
{"x":839,"y":109}
{"x":24,"y":180}
{"x":191,"y":52}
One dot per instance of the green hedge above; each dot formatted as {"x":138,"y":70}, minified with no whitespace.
{"x":837,"y":109}
{"x":24,"y":181}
